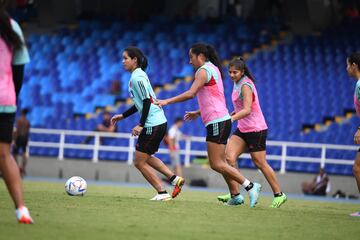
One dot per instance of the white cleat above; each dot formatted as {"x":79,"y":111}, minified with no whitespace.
{"x":161,"y":197}
{"x":23,"y":215}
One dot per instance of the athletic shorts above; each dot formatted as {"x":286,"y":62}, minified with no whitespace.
{"x":256,"y":141}
{"x":150,"y":139}
{"x":6,"y":127}
{"x":218,"y":132}
{"x":21,"y":143}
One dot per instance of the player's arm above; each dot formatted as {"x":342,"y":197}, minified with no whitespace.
{"x":18,"y":76}
{"x":200,"y":80}
{"x":127,"y":113}
{"x":145,"y":111}
{"x":248,"y":98}
{"x":20,"y":58}
{"x":191,"y":115}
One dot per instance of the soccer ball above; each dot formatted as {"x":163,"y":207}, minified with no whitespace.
{"x":76,"y":186}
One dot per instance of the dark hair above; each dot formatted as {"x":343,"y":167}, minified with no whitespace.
{"x":11,"y":38}
{"x":355,"y":58}
{"x":209,"y":53}
{"x":239,"y":64}
{"x":179,"y":119}
{"x":135,"y":52}
{"x":24,"y":111}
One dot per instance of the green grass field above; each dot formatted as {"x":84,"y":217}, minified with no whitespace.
{"x":114,"y":212}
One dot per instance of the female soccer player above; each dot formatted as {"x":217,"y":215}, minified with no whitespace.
{"x":208,"y":87}
{"x":14,"y":56}
{"x":251,"y":129}
{"x":353,"y":69}
{"x":152,"y":127}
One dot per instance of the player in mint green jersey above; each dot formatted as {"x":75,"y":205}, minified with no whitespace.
{"x":353,"y":69}
{"x":152,"y":126}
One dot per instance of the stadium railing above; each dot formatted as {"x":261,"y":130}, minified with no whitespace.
{"x":187,"y":151}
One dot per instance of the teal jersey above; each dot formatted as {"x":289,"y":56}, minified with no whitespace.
{"x":140,"y":89}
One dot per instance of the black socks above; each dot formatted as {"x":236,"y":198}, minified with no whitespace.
{"x":249,"y":187}
{"x":172,"y":178}
{"x":278,"y":194}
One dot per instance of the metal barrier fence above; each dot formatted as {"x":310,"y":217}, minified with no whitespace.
{"x":283,"y":157}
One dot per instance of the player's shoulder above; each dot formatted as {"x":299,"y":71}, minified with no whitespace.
{"x":138,"y":76}
{"x":16,"y":27}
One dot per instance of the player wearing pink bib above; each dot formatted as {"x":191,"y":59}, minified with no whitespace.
{"x":353,"y":69}
{"x":14,"y":56}
{"x":209,"y":90}
{"x":251,"y":129}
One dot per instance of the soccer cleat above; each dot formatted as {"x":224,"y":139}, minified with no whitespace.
{"x":161,"y":197}
{"x":237,"y":200}
{"x":178,"y":183}
{"x":278,"y":201}
{"x":224,"y":198}
{"x":355,"y":214}
{"x":23,"y":215}
{"x":254,"y":194}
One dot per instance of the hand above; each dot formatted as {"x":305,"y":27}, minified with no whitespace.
{"x":116,"y":118}
{"x":136,"y":130}
{"x":233,"y":113}
{"x":357,"y":137}
{"x":189,"y":116}
{"x":161,"y":103}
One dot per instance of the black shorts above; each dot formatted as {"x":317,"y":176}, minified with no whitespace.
{"x":6,"y":127}
{"x":20,"y":144}
{"x":150,"y":139}
{"x":256,"y":141}
{"x":218,"y":132}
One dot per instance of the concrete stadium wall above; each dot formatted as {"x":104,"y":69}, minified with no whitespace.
{"x":122,"y":172}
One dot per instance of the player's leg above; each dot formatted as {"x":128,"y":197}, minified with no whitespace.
{"x":218,"y":163}
{"x":356,"y":169}
{"x":10,"y":169}
{"x":24,"y":163}
{"x":159,"y":166}
{"x":146,"y":170}
{"x":234,"y":148}
{"x":174,"y":179}
{"x":259,"y":159}
{"x":11,"y":175}
{"x":10,"y":172}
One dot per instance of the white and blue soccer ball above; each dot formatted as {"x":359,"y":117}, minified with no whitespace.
{"x":76,"y":186}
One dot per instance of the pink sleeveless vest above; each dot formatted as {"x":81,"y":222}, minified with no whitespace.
{"x":7,"y":88}
{"x":211,"y":97}
{"x":255,"y":121}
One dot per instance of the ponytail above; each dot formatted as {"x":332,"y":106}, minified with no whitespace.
{"x":239,"y":64}
{"x":209,"y":52}
{"x":135,"y":52}
{"x":214,"y":58}
{"x":11,"y":38}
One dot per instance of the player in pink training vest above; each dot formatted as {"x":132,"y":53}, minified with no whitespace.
{"x":13,"y":55}
{"x":209,"y":90}
{"x":353,"y":69}
{"x":251,"y":129}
